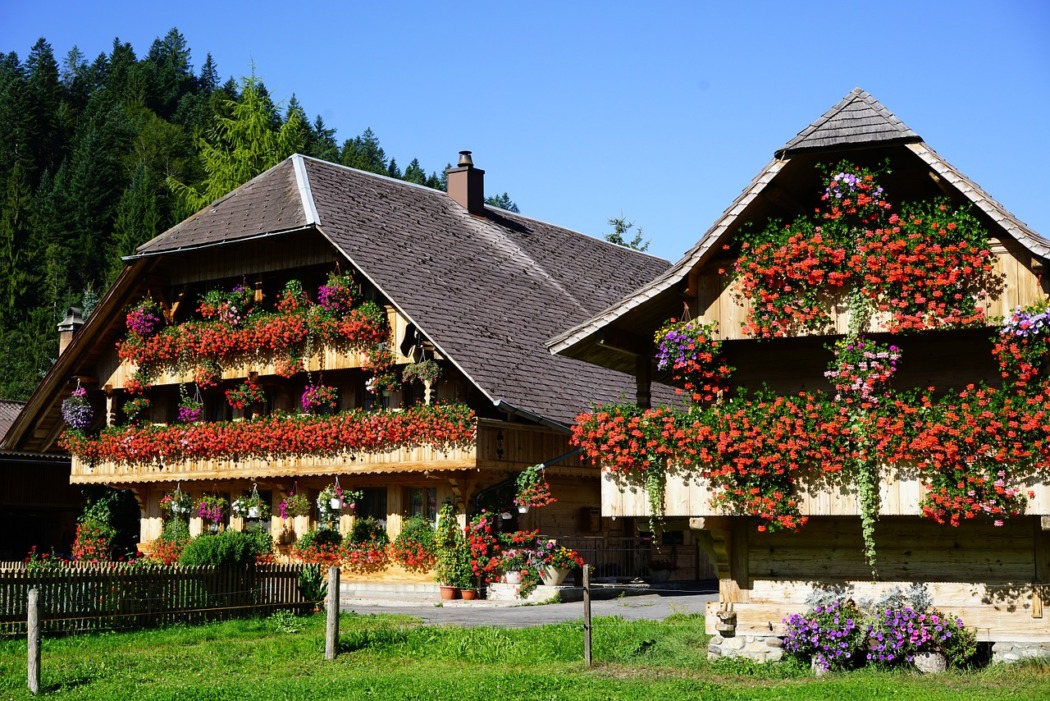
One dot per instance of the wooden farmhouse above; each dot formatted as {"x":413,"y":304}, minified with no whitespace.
{"x":884,"y":420}
{"x":355,"y":277}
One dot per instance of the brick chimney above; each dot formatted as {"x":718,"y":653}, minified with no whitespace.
{"x":466,"y":184}
{"x":68,"y":328}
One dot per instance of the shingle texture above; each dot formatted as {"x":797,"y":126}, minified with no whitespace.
{"x":268,"y":203}
{"x":487,"y":290}
{"x":857,"y":119}
{"x":8,"y":411}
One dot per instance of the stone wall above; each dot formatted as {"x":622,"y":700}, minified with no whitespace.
{"x":1015,"y":652}
{"x":760,"y":648}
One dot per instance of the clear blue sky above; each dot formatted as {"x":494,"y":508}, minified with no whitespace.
{"x":661,"y":111}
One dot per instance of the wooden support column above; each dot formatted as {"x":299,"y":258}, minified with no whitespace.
{"x":724,"y":540}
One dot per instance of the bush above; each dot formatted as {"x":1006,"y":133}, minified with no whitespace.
{"x":414,"y":546}
{"x":228,"y":548}
{"x":324,"y":546}
{"x":829,"y":635}
{"x":369,"y":530}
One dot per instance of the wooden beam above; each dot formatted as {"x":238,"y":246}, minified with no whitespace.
{"x":624,"y":342}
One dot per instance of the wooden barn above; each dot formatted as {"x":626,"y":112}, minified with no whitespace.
{"x":799,"y":470}
{"x":260,"y":347}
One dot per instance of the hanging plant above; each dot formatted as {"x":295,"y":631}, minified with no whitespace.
{"x":294,"y":504}
{"x":191,"y":409}
{"x":136,"y":409}
{"x":689,"y":350}
{"x":332,"y":500}
{"x":228,"y":307}
{"x":318,"y":397}
{"x":250,"y":505}
{"x":76,"y":410}
{"x":337,"y":295}
{"x":176,"y":504}
{"x":212,"y":508}
{"x":144,"y":318}
{"x":533,"y":489}
{"x":246,"y":394}
{"x":425,"y":372}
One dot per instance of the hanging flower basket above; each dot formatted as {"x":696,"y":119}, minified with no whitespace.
{"x":294,"y":505}
{"x":332,"y":500}
{"x":135,"y":409}
{"x":247,"y":394}
{"x":250,"y":506}
{"x":176,"y":504}
{"x":213,"y":509}
{"x":337,"y":295}
{"x":425,"y":372}
{"x":144,"y":318}
{"x":319,"y":397}
{"x":533,"y":489}
{"x":77,"y":411}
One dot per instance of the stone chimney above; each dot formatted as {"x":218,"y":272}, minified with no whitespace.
{"x":68,"y":328}
{"x":466,"y":184}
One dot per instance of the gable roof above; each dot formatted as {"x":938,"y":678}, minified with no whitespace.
{"x":856,"y":121}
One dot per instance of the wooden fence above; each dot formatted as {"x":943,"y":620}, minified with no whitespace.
{"x":109,"y":597}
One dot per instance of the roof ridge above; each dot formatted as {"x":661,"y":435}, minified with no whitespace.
{"x":837,"y":127}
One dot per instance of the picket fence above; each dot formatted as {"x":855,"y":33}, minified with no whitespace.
{"x":111,"y":597}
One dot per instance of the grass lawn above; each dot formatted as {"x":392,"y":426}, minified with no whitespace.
{"x":395,"y":657}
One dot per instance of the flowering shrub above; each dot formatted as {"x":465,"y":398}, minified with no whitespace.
{"x":689,"y":350}
{"x":319,"y":397}
{"x":482,"y":539}
{"x":897,"y":635}
{"x":93,"y":542}
{"x":36,"y":561}
{"x":77,"y":411}
{"x":533,"y":489}
{"x":442,"y":427}
{"x":366,"y":548}
{"x":928,"y":266}
{"x":414,"y":547}
{"x":320,"y":547}
{"x":829,"y":635}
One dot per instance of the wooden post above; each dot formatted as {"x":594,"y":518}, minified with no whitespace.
{"x":34,"y":640}
{"x":587,"y":615}
{"x":331,"y":645}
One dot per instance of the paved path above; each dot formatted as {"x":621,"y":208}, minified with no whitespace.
{"x":484,"y":613}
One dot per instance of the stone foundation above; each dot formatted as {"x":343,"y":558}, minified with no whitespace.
{"x":1007,"y":652}
{"x":760,"y":648}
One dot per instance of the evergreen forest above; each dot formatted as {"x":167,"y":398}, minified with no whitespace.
{"x":98,"y":156}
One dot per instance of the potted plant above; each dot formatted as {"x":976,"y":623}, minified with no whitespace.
{"x":245,"y":395}
{"x":316,"y":398}
{"x":452,"y":567}
{"x":250,"y":506}
{"x":212,"y":508}
{"x":76,"y":410}
{"x":533,"y":489}
{"x":559,"y":561}
{"x":144,"y":318}
{"x":294,"y":504}
{"x":191,"y":409}
{"x":175,"y":504}
{"x":332,"y":499}
{"x":136,"y":408}
{"x":425,"y":371}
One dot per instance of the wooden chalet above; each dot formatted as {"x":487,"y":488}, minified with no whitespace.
{"x":38,"y":505}
{"x":996,"y":578}
{"x":475,"y":288}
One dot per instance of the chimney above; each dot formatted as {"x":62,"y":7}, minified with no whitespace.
{"x":466,"y":184}
{"x":73,"y":321}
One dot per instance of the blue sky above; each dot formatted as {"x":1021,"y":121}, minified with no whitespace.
{"x":582,"y":111}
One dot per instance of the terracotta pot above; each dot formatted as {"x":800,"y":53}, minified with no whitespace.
{"x":448,"y":592}
{"x":469,"y":594}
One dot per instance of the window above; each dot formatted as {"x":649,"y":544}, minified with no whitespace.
{"x":423,"y":502}
{"x":373,"y":503}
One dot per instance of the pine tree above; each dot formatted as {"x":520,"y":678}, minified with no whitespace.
{"x":364,"y":153}
{"x":503,"y":202}
{"x":414,"y":173}
{"x":138,"y":219}
{"x":15,"y":277}
{"x":620,"y":227}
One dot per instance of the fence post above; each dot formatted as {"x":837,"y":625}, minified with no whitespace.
{"x":331,"y":646}
{"x":587,"y":615}
{"x":33,"y":623}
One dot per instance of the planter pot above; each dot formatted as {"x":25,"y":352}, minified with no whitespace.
{"x":513,"y":577}
{"x":448,"y":592}
{"x":469,"y":594}
{"x":523,"y":509}
{"x":334,"y":503}
{"x":930,"y":662}
{"x":553,"y":576}
{"x":253,"y":512}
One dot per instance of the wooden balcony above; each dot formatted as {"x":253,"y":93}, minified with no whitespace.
{"x":900,"y":492}
{"x":416,"y":459}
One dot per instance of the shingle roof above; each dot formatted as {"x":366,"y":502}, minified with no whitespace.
{"x":8,"y":411}
{"x":488,"y":291}
{"x":269,"y":203}
{"x":857,"y":119}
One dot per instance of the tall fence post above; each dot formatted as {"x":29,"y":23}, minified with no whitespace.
{"x":33,"y":623}
{"x":331,"y":645}
{"x":587,"y":615}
